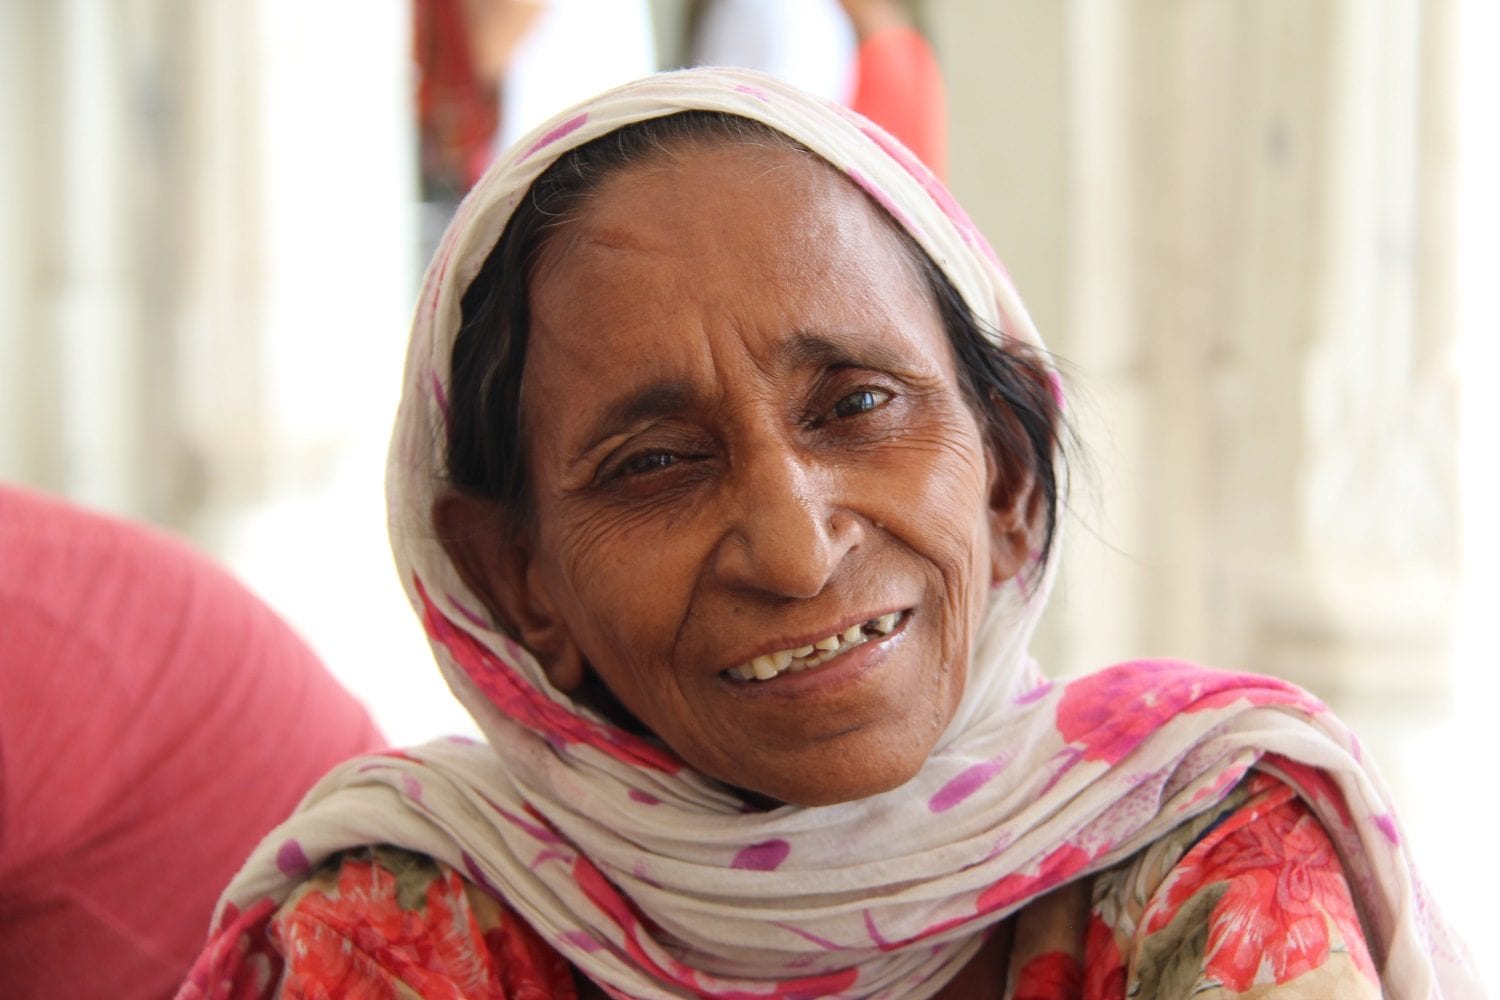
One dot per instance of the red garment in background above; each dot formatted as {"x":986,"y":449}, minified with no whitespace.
{"x":900,"y":88}
{"x":156,"y":720}
{"x":456,"y":112}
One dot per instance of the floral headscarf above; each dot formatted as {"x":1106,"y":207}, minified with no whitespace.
{"x":658,"y":882}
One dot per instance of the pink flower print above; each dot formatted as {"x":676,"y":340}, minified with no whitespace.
{"x":517,"y":698}
{"x":968,"y":781}
{"x":1052,"y":975}
{"x":937,"y":192}
{"x":1315,"y":787}
{"x":568,"y":127}
{"x":1055,"y":869}
{"x":292,"y":861}
{"x":1285,"y":904}
{"x":1103,"y":965}
{"x":240,"y":961}
{"x":1113,"y":711}
{"x":762,"y":857}
{"x":906,"y":222}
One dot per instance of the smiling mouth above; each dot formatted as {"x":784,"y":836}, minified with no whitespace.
{"x":790,"y":661}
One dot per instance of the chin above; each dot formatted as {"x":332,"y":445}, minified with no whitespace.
{"x":835,"y":789}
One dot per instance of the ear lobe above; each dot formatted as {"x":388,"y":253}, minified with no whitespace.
{"x":1012,"y":515}
{"x":493,"y":559}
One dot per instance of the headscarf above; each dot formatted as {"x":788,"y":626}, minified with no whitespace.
{"x":656,"y":881}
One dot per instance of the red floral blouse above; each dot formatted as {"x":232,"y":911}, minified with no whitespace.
{"x":1246,"y":900}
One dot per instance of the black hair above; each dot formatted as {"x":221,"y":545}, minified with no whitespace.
{"x":1005,"y":382}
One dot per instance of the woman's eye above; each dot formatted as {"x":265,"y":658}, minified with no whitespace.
{"x":650,"y":461}
{"x":860,"y":401}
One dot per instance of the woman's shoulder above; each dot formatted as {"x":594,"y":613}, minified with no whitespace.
{"x":384,"y":917}
{"x":1248,"y":895}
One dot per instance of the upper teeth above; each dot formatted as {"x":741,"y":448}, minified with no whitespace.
{"x":764,"y":667}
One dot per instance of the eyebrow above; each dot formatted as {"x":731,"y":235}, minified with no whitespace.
{"x":655,"y":399}
{"x":813,"y":350}
{"x":669,"y":396}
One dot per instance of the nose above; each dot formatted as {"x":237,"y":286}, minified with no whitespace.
{"x":787,"y":530}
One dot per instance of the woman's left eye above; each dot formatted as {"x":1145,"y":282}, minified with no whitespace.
{"x":859,"y":401}
{"x":648,"y":462}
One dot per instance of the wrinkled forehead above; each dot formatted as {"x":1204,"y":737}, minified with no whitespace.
{"x":667,"y":258}
{"x":858,"y":150}
{"x":699,"y":197}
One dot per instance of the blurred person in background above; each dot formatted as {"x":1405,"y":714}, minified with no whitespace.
{"x":461,"y":49}
{"x":547,"y":54}
{"x":489,"y":70}
{"x":808,"y":43}
{"x":897,"y":79}
{"x":867,"y":54}
{"x":156,"y":719}
{"x":537,"y":56}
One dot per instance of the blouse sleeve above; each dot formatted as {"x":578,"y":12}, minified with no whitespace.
{"x":1252,"y":900}
{"x":386,"y":923}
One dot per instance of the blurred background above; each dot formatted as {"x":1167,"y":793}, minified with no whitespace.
{"x":1260,"y":235}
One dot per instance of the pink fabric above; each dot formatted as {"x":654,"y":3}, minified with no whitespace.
{"x":156,"y":719}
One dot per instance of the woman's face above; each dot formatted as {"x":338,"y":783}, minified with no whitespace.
{"x":748,"y":444}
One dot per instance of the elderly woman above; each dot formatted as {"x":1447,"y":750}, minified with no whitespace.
{"x":725,"y":484}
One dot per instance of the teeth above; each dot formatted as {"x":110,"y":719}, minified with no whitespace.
{"x":769,"y":665}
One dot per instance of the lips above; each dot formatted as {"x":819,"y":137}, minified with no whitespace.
{"x":799,"y":658}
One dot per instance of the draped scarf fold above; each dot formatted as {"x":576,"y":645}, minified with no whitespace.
{"x":658,"y":882}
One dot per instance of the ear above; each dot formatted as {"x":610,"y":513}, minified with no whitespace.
{"x":1014,"y":507}
{"x":494,"y":557}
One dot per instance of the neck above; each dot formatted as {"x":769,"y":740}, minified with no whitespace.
{"x":983,"y":977}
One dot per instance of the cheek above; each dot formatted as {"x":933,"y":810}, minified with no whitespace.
{"x":622,"y":589}
{"x":938,"y":504}
{"x":936,"y":495}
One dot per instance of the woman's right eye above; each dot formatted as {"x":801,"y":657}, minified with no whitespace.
{"x":655,"y":462}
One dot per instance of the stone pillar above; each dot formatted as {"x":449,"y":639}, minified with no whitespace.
{"x":71,"y":341}
{"x":1234,"y":223}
